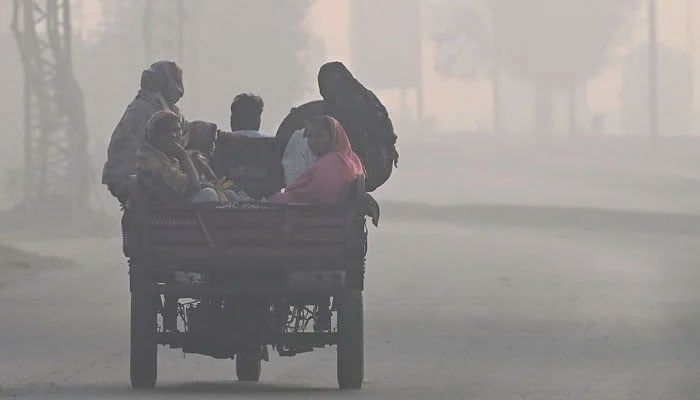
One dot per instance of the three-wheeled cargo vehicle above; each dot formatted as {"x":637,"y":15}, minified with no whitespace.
{"x":234,"y":280}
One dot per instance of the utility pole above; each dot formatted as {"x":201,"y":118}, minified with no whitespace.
{"x":690,"y":38}
{"x":572,"y":110}
{"x":653,"y":73}
{"x":496,"y":78}
{"x":56,"y":163}
{"x":79,"y":19}
{"x":163,"y":30}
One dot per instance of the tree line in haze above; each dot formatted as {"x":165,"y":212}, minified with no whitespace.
{"x":557,"y":47}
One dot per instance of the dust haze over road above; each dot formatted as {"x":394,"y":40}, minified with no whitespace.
{"x":536,"y":243}
{"x":560,"y":271}
{"x":482,"y":312}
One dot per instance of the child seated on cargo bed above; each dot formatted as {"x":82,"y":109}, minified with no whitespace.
{"x":201,"y":149}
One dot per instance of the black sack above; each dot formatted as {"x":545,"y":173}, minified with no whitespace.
{"x":294,"y":121}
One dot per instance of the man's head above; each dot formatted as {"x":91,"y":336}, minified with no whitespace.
{"x":164,"y":77}
{"x":164,"y":126}
{"x":246,"y":112}
{"x":320,"y":134}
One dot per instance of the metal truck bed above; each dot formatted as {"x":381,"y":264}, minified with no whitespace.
{"x":247,"y":247}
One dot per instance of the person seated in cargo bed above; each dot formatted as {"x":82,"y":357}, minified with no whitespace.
{"x":165,"y":172}
{"x":330,"y":177}
{"x":200,"y":146}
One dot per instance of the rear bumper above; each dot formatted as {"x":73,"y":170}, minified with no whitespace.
{"x":181,"y":290}
{"x":215,"y":282}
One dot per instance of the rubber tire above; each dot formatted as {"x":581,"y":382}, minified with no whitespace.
{"x":351,"y":356}
{"x":144,"y":343}
{"x":248,"y":366}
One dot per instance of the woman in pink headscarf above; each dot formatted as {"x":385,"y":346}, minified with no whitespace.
{"x":329,"y":179}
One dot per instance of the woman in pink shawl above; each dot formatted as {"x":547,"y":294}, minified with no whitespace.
{"x":329,"y":179}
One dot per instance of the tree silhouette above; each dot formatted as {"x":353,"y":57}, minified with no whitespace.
{"x":553,"y":44}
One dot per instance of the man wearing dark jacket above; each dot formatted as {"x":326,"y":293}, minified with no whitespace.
{"x":161,"y":89}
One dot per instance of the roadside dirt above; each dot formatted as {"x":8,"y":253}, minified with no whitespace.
{"x":17,"y":265}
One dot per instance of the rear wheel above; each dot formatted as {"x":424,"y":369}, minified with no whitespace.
{"x":248,"y":365}
{"x":350,"y":356}
{"x":144,"y":344}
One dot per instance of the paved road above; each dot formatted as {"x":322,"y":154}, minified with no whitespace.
{"x":454,"y":313}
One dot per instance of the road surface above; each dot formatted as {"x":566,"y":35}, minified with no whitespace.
{"x":483,"y":312}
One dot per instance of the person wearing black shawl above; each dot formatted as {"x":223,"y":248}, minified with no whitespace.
{"x":365,"y":119}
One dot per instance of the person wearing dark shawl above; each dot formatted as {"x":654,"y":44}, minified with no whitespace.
{"x":161,"y":88}
{"x":365,"y":119}
{"x":165,"y":172}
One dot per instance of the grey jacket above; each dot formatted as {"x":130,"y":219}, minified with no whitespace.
{"x":161,"y":88}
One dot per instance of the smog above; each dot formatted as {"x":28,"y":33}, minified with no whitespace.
{"x":488,"y":199}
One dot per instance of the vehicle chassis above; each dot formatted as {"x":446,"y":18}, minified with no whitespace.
{"x":231,"y":280}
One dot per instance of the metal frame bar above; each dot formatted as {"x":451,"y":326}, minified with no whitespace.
{"x":55,"y":136}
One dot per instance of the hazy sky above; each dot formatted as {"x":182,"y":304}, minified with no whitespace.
{"x":457,"y":104}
